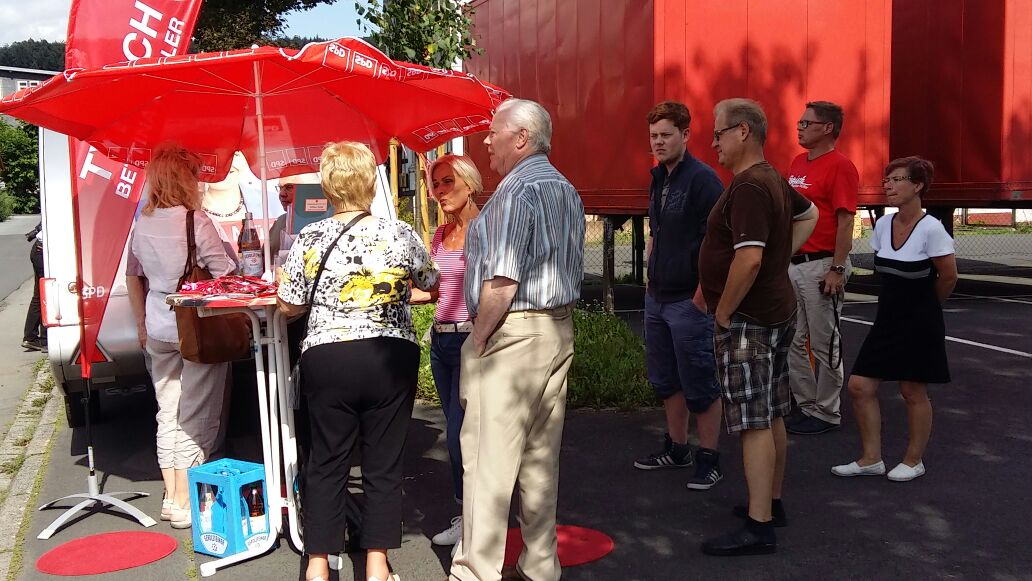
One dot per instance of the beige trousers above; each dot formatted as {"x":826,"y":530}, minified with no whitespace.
{"x":817,"y":392}
{"x":190,"y":397}
{"x":515,"y":401}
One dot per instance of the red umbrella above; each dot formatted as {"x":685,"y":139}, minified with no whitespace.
{"x":278,"y":106}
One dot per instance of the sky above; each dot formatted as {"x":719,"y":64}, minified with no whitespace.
{"x":48,"y":20}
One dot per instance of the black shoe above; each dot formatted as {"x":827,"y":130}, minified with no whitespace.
{"x":34,"y":345}
{"x":811,"y":426}
{"x":742,"y":542}
{"x":707,"y":470}
{"x":777,"y":513}
{"x":795,"y":416}
{"x":671,"y":456}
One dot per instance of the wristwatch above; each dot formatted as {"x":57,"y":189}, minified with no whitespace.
{"x":838,"y":268}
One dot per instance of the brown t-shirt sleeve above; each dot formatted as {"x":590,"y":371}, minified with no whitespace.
{"x":800,"y":204}
{"x":749,"y":215}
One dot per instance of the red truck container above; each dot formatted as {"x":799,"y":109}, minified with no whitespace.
{"x":947,"y":79}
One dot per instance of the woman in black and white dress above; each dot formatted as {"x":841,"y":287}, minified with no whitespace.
{"x":915,"y":260}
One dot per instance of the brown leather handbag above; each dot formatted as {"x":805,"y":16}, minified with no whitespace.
{"x":217,"y":339}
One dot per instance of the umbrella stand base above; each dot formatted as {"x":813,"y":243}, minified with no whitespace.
{"x":95,"y":501}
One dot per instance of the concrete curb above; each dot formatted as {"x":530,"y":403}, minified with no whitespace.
{"x":27,"y":441}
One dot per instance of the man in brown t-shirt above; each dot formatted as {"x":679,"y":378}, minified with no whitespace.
{"x":754,"y":229}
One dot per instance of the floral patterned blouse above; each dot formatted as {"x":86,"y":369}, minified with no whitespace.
{"x":364,"y":290}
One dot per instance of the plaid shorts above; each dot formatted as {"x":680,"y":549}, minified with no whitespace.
{"x":752,"y":366}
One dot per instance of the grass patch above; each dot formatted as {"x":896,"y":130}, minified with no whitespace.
{"x":608,"y":364}
{"x":17,"y":556}
{"x":23,"y":441}
{"x":192,"y":572}
{"x":11,"y":467}
{"x":40,"y":401}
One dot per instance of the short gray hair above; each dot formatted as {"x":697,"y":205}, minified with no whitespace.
{"x":530,"y":115}
{"x":745,"y":111}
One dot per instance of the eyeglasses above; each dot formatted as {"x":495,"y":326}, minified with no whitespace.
{"x":895,"y":180}
{"x":808,"y":122}
{"x":719,"y":132}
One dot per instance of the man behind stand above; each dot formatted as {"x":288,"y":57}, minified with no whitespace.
{"x":825,"y":176}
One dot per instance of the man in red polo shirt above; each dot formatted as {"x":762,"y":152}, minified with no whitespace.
{"x":820,"y":269}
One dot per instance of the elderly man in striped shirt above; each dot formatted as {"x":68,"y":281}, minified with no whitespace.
{"x":524,"y":266}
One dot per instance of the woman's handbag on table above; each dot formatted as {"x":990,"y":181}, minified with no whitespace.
{"x":295,"y":372}
{"x":215,"y":339}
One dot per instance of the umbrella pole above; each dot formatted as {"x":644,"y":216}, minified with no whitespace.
{"x":263,"y":174}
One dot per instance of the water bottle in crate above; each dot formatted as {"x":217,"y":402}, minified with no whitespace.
{"x":228,"y":502}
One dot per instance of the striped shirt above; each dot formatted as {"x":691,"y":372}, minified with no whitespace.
{"x":451,"y":303}
{"x":530,"y":231}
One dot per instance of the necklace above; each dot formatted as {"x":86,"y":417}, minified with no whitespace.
{"x":240,"y":206}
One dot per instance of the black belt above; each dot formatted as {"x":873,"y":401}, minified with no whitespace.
{"x":811,"y":256}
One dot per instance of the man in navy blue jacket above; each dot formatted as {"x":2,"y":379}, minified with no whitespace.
{"x":678,"y":331}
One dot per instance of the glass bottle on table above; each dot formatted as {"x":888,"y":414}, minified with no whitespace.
{"x":252,"y":262}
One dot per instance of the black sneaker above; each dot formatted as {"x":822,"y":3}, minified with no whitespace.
{"x":672,"y":456}
{"x":707,"y":470}
{"x":777,"y":513}
{"x":811,"y":426}
{"x":34,"y":345}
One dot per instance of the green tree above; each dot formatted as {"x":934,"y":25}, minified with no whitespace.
{"x":293,"y":41}
{"x":33,"y":54}
{"x":426,"y":32}
{"x":232,"y":24}
{"x":19,"y":166}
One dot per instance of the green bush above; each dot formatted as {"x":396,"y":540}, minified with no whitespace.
{"x":422,"y":318}
{"x":7,"y":203}
{"x":608,"y":364}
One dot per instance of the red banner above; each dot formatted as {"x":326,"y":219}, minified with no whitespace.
{"x":105,"y":193}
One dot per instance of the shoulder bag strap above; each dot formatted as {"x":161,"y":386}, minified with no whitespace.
{"x":326,"y":257}
{"x":191,"y":249}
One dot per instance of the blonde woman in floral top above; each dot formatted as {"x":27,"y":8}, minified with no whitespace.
{"x":360,"y":358}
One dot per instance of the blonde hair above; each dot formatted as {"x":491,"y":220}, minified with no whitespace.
{"x":172,"y":177}
{"x":463,"y":168}
{"x":347,"y":174}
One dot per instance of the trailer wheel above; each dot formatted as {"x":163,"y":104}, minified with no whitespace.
{"x":74,"y":412}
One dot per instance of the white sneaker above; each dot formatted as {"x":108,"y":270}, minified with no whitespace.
{"x":904,"y":473}
{"x":166,"y":509}
{"x":391,"y":577}
{"x":451,"y":535}
{"x":180,"y":517}
{"x":854,"y":469}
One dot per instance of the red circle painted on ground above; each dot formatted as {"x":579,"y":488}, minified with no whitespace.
{"x":577,"y":545}
{"x":107,"y":552}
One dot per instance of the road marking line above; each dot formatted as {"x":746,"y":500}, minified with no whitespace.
{"x":958,"y":340}
{"x":1001,"y":299}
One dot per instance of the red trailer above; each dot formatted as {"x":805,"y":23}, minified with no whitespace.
{"x":950,"y":80}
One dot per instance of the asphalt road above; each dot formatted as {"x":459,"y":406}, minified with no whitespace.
{"x":966,"y":519}
{"x":14,"y":252}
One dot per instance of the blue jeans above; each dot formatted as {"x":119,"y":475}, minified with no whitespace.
{"x":679,"y":352}
{"x":444,"y":363}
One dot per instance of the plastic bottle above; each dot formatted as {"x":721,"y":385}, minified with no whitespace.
{"x":252,"y":262}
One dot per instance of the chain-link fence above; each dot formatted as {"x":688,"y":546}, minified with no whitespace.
{"x":988,"y":242}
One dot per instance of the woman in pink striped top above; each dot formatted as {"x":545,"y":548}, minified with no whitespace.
{"x":455,"y":181}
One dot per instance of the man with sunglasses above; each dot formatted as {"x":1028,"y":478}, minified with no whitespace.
{"x":751,"y":234}
{"x":820,"y":269}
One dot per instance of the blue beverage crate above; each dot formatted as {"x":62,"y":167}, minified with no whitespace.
{"x":232,"y":529}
